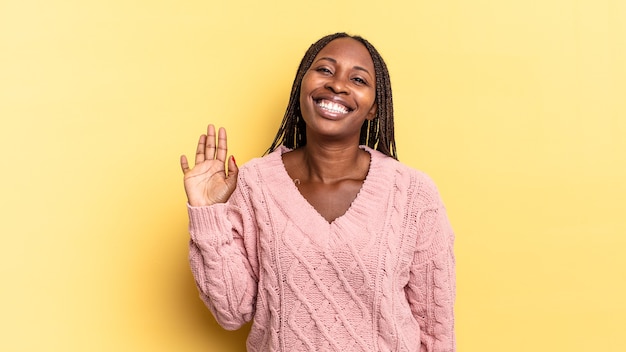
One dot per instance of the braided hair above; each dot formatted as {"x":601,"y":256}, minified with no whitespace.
{"x":377,"y":133}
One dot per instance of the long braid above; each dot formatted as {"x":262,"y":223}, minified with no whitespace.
{"x":377,"y":134}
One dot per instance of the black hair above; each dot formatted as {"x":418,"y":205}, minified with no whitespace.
{"x":377,"y":133}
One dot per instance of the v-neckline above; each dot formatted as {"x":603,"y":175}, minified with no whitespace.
{"x":316,"y":208}
{"x":306,"y":216}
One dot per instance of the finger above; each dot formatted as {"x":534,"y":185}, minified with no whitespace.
{"x":210,"y":143}
{"x":233,"y":171}
{"x":200,"y":149}
{"x":222,"y":146}
{"x":184,"y":165}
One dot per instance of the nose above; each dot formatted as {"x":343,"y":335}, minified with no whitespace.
{"x":337,"y":85}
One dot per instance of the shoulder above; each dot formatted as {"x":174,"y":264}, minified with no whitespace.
{"x":406,"y":178}
{"x":270,"y":158}
{"x":264,"y":172}
{"x":266,"y":162}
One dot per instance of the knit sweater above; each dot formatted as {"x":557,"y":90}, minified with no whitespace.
{"x":378,"y":278}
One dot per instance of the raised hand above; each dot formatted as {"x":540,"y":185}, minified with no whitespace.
{"x":208,"y":182}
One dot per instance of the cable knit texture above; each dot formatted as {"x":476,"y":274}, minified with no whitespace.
{"x":378,"y":278}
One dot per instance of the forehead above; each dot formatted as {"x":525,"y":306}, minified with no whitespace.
{"x":349,"y":50}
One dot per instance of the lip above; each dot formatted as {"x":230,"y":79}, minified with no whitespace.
{"x":335,"y":99}
{"x":331,"y":114}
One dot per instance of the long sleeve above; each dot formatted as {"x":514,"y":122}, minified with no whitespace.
{"x":222,"y":253}
{"x":431,"y":289}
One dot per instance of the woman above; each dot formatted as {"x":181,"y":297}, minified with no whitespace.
{"x":327,"y":243}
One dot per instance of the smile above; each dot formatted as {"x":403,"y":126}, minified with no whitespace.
{"x":333,"y":107}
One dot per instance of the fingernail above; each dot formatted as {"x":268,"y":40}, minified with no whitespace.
{"x":233,"y":157}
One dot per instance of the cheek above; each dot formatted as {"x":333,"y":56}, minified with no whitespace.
{"x":306,"y":88}
{"x":302,"y":98}
{"x":304,"y":102}
{"x":368,"y":98}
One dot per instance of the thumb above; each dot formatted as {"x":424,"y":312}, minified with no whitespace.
{"x":233,"y":172}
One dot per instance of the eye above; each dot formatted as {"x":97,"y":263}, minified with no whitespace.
{"x":359,"y":81}
{"x":324,"y":70}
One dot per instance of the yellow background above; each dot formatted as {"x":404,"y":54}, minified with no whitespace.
{"x":516,"y":108}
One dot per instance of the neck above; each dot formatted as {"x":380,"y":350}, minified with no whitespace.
{"x":332,"y":163}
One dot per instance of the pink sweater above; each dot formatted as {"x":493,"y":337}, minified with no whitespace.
{"x":379,"y":278}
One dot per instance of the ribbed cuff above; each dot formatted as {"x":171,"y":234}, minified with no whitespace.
{"x":209,"y":225}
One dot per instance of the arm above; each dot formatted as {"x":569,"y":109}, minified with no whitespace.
{"x":221,"y":255}
{"x":432,"y":284}
{"x":218,"y":220}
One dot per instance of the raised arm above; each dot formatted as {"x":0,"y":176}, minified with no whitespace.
{"x":222,"y":246}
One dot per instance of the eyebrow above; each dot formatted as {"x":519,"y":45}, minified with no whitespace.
{"x":360,"y":68}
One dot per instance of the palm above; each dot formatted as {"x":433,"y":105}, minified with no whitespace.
{"x":208,"y":182}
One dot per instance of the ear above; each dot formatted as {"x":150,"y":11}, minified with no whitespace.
{"x":372,"y":113}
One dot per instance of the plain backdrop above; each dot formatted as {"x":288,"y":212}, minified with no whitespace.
{"x":516,"y":108}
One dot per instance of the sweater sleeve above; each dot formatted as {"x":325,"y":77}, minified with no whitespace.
{"x":222,"y":249}
{"x":431,"y":289}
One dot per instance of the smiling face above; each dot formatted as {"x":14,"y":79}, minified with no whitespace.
{"x":338,"y":91}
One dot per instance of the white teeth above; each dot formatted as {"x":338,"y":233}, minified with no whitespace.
{"x":332,"y":107}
